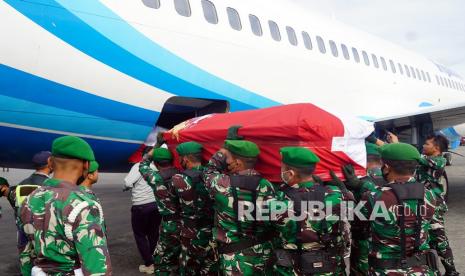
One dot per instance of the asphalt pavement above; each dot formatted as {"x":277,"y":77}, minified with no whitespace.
{"x":124,"y":255}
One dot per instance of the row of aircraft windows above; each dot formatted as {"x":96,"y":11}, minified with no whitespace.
{"x":183,"y":8}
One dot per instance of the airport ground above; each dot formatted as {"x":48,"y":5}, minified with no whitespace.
{"x":124,"y":255}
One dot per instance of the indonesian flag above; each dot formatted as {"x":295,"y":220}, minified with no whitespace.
{"x":337,"y":140}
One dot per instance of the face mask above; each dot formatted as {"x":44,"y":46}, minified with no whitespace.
{"x":284,"y":177}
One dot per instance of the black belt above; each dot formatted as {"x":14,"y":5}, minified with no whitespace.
{"x":226,"y":248}
{"x":313,"y":261}
{"x":413,"y":261}
{"x":171,"y":217}
{"x":196,"y":223}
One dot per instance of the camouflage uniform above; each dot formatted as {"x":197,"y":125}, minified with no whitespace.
{"x":197,"y":257}
{"x":168,"y":249}
{"x":430,"y":172}
{"x":65,"y":231}
{"x":310,"y":235}
{"x":386,"y":236}
{"x":360,"y":232}
{"x":228,"y":230}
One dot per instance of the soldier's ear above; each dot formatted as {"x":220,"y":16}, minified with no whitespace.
{"x":50,"y":162}
{"x":86,"y":165}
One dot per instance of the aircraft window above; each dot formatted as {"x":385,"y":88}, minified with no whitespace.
{"x":413,"y":72}
{"x":448,"y":82}
{"x":234,"y":19}
{"x":274,"y":29}
{"x":423,"y":75}
{"x":418,"y":73}
{"x":383,"y":62}
{"x":182,"y":7}
{"x":454,"y":85}
{"x":365,"y":58}
{"x":209,"y":11}
{"x":399,"y":66}
{"x":307,"y":40}
{"x":407,"y":71}
{"x":154,"y":4}
{"x":375,"y":60}
{"x":345,"y":51}
{"x":255,"y":25}
{"x":356,"y":56}
{"x":437,"y":80}
{"x":321,"y":44}
{"x":291,"y":35}
{"x":333,"y":46}
{"x":393,"y":66}
{"x":429,"y":78}
{"x":442,"y":81}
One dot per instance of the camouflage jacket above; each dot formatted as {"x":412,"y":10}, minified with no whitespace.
{"x":227,"y":229}
{"x":429,"y":172}
{"x":385,"y":230}
{"x":308,"y":229}
{"x":196,"y":204}
{"x":65,"y":231}
{"x":165,"y":195}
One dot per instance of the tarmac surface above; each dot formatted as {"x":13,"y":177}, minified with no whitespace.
{"x":124,"y":255}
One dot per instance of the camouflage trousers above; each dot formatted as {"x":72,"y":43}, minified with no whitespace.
{"x":438,"y":238}
{"x":413,"y":271}
{"x":255,"y":260}
{"x":359,"y":258}
{"x":168,"y":249}
{"x":296,"y":271}
{"x":197,"y":256}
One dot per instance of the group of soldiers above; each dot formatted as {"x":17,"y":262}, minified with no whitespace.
{"x":204,"y":230}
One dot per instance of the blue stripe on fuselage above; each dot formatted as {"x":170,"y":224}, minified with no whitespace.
{"x":18,"y":145}
{"x":31,"y":101}
{"x":103,"y":38}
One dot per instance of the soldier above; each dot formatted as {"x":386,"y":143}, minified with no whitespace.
{"x":63,"y":225}
{"x":244,"y":246}
{"x":4,"y":191}
{"x":399,"y":215}
{"x":168,"y":249}
{"x":360,"y":231}
{"x":197,"y":256}
{"x":309,"y":245}
{"x":429,"y":172}
{"x":42,"y":169}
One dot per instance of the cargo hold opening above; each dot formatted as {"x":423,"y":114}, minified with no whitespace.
{"x":178,"y":109}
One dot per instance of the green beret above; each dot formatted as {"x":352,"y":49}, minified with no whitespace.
{"x":298,"y":157}
{"x":372,"y":149}
{"x":189,"y":148}
{"x":160,"y":154}
{"x":93,"y":166}
{"x":72,"y":147}
{"x":242,"y":148}
{"x":399,"y":152}
{"x":3,"y":181}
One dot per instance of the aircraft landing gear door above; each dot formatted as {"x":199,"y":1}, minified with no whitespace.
{"x":178,"y":109}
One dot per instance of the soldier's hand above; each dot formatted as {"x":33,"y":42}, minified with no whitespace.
{"x":317,"y":179}
{"x":160,"y":139}
{"x":351,"y":178}
{"x":221,"y":158}
{"x":335,"y":181}
{"x":371,"y":138}
{"x":392,"y":138}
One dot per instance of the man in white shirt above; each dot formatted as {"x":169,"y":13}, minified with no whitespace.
{"x":145,"y":218}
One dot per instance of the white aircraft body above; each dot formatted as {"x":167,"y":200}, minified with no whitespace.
{"x":112,"y":70}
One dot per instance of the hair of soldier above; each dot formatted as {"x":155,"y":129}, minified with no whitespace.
{"x":249,"y":162}
{"x":194,"y":157}
{"x":440,"y":141}
{"x":163,"y":163}
{"x":371,"y":158}
{"x":39,"y":167}
{"x":402,"y":167}
{"x":66,"y":164}
{"x":302,"y":172}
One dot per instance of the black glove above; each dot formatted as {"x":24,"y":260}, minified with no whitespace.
{"x":233,"y":133}
{"x":353,"y":181}
{"x":317,"y":179}
{"x":160,"y":139}
{"x":371,"y":138}
{"x":335,"y":181}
